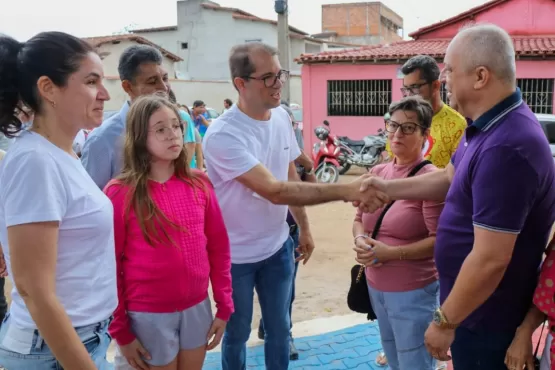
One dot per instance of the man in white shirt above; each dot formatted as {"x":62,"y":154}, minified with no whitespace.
{"x":250,"y":153}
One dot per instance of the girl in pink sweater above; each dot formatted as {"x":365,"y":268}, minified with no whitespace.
{"x":170,"y":242}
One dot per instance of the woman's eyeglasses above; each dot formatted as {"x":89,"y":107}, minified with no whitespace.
{"x":167,"y":133}
{"x":407,"y":128}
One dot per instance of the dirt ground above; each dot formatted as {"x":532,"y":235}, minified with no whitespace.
{"x":323,"y":282}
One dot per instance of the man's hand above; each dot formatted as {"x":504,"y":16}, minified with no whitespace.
{"x":438,"y":341}
{"x":306,"y":246}
{"x":366,"y":196}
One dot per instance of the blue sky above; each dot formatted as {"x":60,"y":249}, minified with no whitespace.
{"x":24,"y":18}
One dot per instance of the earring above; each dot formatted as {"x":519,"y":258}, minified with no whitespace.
{"x":52,"y":103}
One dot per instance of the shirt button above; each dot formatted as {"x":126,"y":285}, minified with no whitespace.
{"x":465,"y":143}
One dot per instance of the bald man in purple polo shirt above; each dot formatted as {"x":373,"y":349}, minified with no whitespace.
{"x":499,"y":205}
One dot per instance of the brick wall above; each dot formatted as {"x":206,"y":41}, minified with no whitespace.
{"x":360,"y":20}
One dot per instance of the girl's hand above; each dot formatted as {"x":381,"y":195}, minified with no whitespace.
{"x":134,"y":353}
{"x":216,"y":333}
{"x":520,"y":352}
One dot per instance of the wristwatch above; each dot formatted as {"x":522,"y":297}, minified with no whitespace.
{"x":440,"y":320}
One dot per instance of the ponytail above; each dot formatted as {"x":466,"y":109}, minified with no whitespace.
{"x":10,"y":99}
{"x":55,"y":55}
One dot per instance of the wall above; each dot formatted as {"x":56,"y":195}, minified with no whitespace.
{"x":212,"y":93}
{"x":518,"y":17}
{"x":314,"y":89}
{"x":210,"y":35}
{"x":111,"y":61}
{"x":360,"y":23}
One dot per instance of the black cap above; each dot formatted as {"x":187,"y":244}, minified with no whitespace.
{"x":198,"y":103}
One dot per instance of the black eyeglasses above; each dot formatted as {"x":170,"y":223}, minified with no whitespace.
{"x":407,"y":128}
{"x":413,"y":89}
{"x":271,"y":80}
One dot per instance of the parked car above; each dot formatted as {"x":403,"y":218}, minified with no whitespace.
{"x":547,"y":122}
{"x":212,"y":113}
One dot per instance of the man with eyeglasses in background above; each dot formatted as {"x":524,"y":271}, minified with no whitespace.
{"x":421,"y":77}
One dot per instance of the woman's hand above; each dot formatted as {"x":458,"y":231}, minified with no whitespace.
{"x":135,"y":354}
{"x":216,"y":333}
{"x":382,"y":253}
{"x":3,"y":268}
{"x":520,"y":352}
{"x":373,"y":253}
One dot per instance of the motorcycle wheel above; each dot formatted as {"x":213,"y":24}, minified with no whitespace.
{"x":327,"y":174}
{"x":344,"y":166}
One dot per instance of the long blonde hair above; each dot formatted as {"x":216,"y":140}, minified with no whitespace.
{"x":137,"y":164}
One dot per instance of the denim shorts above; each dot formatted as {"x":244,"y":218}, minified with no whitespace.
{"x":164,"y":334}
{"x":25,"y":349}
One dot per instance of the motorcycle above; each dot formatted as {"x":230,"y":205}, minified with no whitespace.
{"x":367,"y":152}
{"x":324,"y":155}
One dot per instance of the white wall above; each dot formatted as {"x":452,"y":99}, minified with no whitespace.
{"x":212,"y":93}
{"x":210,"y":35}
{"x":111,"y":61}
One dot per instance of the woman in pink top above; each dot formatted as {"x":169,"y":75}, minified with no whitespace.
{"x":171,"y":242}
{"x":401,"y":274}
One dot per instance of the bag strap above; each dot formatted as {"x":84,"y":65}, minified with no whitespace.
{"x":539,"y":341}
{"x":378,"y":224}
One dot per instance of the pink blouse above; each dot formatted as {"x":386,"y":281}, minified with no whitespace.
{"x":406,"y":222}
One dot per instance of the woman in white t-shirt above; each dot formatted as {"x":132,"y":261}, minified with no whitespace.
{"x":56,"y":226}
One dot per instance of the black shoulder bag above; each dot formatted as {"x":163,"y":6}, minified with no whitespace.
{"x":358,"y":298}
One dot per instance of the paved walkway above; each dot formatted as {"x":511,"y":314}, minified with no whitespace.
{"x":353,"y":348}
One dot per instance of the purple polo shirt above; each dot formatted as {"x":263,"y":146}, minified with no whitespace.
{"x":504,"y":181}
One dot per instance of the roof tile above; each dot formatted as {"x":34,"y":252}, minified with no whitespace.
{"x":100,"y":40}
{"x":524,"y":45}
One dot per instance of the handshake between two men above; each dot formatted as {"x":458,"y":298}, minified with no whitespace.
{"x":369,"y":193}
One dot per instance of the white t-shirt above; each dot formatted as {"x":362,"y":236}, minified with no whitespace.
{"x":39,"y":182}
{"x":233,"y":145}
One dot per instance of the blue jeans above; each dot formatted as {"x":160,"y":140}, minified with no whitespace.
{"x":475,"y":349}
{"x":295,"y":237}
{"x":403,"y":318}
{"x":272,"y":280}
{"x":39,"y":357}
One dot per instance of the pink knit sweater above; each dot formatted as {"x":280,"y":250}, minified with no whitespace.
{"x":170,"y":277}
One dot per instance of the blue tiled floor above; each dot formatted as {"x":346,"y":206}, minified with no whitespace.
{"x":351,"y":348}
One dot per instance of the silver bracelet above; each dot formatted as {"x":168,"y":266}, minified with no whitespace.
{"x":360,"y":236}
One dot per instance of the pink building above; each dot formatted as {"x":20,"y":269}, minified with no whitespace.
{"x":353,"y":88}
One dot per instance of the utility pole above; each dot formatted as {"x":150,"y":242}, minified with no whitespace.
{"x":283,"y":43}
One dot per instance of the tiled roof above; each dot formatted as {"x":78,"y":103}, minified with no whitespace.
{"x":155,"y":29}
{"x":257,"y":19}
{"x":237,"y":14}
{"x":226,"y":9}
{"x":97,"y":41}
{"x":524,"y":46}
{"x":459,"y":17}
